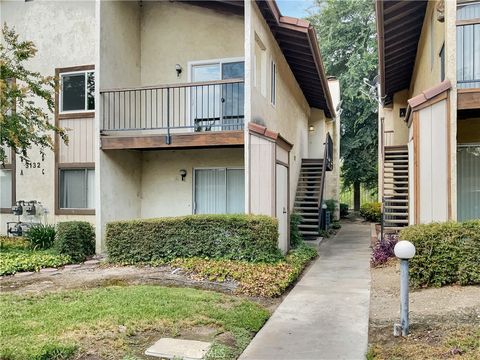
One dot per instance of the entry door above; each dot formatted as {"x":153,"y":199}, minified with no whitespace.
{"x":282,"y":206}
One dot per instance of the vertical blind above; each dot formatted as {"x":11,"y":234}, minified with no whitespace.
{"x":468,"y":182}
{"x":5,"y":188}
{"x":468,"y":47}
{"x":219,"y":191}
{"x":77,"y":189}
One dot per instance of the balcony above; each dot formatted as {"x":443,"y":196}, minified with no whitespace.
{"x":200,"y":114}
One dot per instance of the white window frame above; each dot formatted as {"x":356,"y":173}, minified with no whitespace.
{"x":273,"y":83}
{"x":194,"y":205}
{"x":60,"y":97}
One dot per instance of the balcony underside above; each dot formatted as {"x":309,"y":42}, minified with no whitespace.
{"x":177,"y":141}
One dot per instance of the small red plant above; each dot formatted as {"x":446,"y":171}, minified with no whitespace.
{"x":383,"y":249}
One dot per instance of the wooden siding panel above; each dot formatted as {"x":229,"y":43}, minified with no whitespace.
{"x":80,"y":148}
{"x":262,"y":176}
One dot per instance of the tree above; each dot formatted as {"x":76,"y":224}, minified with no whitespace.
{"x":347,"y":36}
{"x":26,"y":102}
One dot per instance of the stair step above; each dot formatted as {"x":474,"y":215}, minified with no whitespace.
{"x":395,"y":214}
{"x":310,"y":220}
{"x":394,"y":227}
{"x":395,"y":221}
{"x":307,"y":226}
{"x":312,"y":233}
{"x":395,"y":207}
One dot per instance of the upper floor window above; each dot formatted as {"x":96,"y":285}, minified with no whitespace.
{"x":468,"y":45}
{"x":78,"y":91}
{"x":273,"y":83}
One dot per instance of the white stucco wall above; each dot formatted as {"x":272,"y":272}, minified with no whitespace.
{"x":64,"y":34}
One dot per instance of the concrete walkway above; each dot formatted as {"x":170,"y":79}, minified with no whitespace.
{"x":325,"y":316}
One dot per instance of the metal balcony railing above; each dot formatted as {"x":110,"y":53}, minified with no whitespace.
{"x":179,"y":108}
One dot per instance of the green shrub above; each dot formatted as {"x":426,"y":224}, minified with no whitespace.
{"x":15,"y":260}
{"x":75,"y":239}
{"x":239,"y":237}
{"x":254,"y":279}
{"x":41,"y":237}
{"x":343,"y":210}
{"x":296,"y":237}
{"x":371,"y":211}
{"x":331,"y":204}
{"x":13,"y":243}
{"x":446,"y":253}
{"x":336,"y":225}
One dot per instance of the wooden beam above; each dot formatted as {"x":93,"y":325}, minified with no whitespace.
{"x":468,"y":99}
{"x":190,"y":140}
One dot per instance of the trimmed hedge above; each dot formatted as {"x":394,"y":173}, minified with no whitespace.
{"x":235,"y":237}
{"x":446,"y":253}
{"x":371,"y":211}
{"x":75,"y":239}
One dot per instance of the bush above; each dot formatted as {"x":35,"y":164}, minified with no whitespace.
{"x":371,"y":211}
{"x":446,"y":253}
{"x":296,"y":237}
{"x":331,"y":207}
{"x":75,"y":239}
{"x":13,"y":261}
{"x":238,"y":237}
{"x":260,"y":279}
{"x":383,"y":250}
{"x":336,"y":225}
{"x":343,"y":210}
{"x":41,"y":237}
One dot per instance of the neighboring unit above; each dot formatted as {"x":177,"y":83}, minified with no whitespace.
{"x":429,"y":120}
{"x":183,"y":107}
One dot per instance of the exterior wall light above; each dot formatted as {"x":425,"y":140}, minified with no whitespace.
{"x":178,"y":69}
{"x":183,"y":174}
{"x":404,"y":250}
{"x":311,"y":128}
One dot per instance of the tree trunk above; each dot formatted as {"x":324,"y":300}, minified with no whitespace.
{"x":356,"y":196}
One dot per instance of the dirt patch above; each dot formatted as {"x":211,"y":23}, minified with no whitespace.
{"x":444,"y":321}
{"x":100,"y":276}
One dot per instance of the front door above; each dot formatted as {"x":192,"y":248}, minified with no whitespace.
{"x":282,"y":206}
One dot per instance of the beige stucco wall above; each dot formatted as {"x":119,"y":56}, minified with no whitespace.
{"x":69,"y":40}
{"x":119,"y":44}
{"x":427,"y":72}
{"x":175,"y":33}
{"x":120,"y":196}
{"x":163,"y":192}
{"x":291,"y":113}
{"x":394,"y":125}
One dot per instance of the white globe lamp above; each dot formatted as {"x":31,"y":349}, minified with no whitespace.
{"x":404,"y":250}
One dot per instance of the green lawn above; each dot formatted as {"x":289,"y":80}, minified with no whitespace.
{"x":121,"y":322}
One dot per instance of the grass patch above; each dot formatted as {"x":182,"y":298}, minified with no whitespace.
{"x":255,"y":279}
{"x":114,"y":320}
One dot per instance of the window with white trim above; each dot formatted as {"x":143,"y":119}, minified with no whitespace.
{"x":273,"y":83}
{"x":77,"y":91}
{"x":77,"y":188}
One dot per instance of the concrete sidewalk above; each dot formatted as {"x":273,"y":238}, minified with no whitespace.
{"x":325,"y":316}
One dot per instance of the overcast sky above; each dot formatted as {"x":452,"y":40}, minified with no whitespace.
{"x":295,"y":8}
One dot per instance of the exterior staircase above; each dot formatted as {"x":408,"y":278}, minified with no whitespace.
{"x":395,"y":188}
{"x":308,"y":196}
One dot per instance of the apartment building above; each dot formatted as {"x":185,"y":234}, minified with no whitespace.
{"x":179,"y":107}
{"x":429,"y":119}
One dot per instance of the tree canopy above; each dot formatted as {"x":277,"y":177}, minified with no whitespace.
{"x":347,"y":36}
{"x":26,"y":101}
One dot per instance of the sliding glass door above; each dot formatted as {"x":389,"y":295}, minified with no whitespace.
{"x":219,"y":191}
{"x":468,"y":182}
{"x":217,"y":107}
